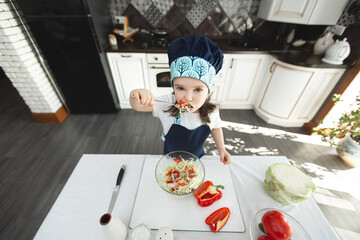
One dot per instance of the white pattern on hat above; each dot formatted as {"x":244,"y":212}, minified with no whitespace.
{"x":195,"y":67}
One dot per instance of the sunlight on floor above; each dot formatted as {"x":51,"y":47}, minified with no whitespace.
{"x":262,"y":151}
{"x":271,"y":132}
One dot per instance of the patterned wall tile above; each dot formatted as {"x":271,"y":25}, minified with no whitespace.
{"x":153,"y":15}
{"x":185,"y":5}
{"x":117,"y":7}
{"x":207,"y":5}
{"x":185,"y":27}
{"x":226,"y":26}
{"x":136,"y":19}
{"x":173,"y":18}
{"x":164,"y":5}
{"x":141,"y":5}
{"x":251,"y":6}
{"x":230,"y":6}
{"x":210,"y":17}
{"x":218,"y":17}
{"x":207,"y":28}
{"x":351,"y":13}
{"x":196,"y":15}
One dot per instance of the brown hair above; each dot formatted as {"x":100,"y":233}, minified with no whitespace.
{"x":204,"y":110}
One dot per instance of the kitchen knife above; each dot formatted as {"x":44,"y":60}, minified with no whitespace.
{"x":116,"y":189}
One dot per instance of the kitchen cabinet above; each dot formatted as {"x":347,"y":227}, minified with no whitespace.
{"x":219,"y":82}
{"x":129,"y":71}
{"x":282,"y":94}
{"x":316,"y":12}
{"x":291,"y":95}
{"x":244,"y":74}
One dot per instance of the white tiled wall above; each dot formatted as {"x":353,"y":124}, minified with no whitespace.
{"x":22,"y":67}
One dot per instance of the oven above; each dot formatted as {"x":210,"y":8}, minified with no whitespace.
{"x":159,"y":74}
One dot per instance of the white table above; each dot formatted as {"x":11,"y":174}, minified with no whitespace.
{"x":87,"y":193}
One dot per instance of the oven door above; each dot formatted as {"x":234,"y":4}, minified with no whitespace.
{"x":159,"y":75}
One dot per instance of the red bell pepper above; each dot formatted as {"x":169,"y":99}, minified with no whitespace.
{"x":207,"y":194}
{"x":218,"y":219}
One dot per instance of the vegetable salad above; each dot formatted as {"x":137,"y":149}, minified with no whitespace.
{"x":184,"y":106}
{"x":181,"y":177}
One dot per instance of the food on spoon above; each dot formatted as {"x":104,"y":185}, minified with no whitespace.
{"x":218,"y":219}
{"x":276,"y":226}
{"x":287,"y":184}
{"x":181,"y":176}
{"x":184,"y":106}
{"x":207,"y":193}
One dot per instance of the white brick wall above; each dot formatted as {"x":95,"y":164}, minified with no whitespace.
{"x":22,"y":67}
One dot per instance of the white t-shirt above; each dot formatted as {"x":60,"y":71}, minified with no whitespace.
{"x":188,"y":120}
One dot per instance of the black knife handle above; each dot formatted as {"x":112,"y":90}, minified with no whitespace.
{"x":121,"y":173}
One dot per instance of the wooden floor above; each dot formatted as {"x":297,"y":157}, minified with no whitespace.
{"x":37,"y":159}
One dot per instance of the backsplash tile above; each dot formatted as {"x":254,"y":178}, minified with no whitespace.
{"x":164,"y":5}
{"x":207,"y":5}
{"x":207,"y":17}
{"x":117,"y":7}
{"x":207,"y":28}
{"x":351,"y":13}
{"x":196,"y":15}
{"x":185,"y":5}
{"x":141,"y":5}
{"x":153,"y":15}
{"x":135,"y":18}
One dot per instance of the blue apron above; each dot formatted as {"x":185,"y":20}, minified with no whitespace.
{"x":179,"y":138}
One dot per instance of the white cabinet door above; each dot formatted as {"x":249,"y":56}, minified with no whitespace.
{"x":294,"y":11}
{"x":292,"y":95}
{"x":327,"y":12}
{"x":316,"y":93}
{"x":219,"y":82}
{"x":129,"y":72}
{"x":284,"y":89}
{"x":317,"y":12}
{"x":245,"y":72}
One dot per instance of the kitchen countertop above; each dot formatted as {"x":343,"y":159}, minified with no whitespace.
{"x":287,"y":54}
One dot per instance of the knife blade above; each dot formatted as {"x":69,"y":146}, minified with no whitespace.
{"x":116,"y":189}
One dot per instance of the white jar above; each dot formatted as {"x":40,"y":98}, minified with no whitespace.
{"x":113,"y":229}
{"x":337,"y":52}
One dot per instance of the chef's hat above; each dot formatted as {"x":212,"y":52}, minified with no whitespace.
{"x":195,"y":56}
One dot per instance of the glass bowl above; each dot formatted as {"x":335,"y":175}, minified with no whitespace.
{"x":181,"y":176}
{"x":298,"y":230}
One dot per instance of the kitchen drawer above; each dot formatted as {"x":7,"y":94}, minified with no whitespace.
{"x":157,"y":58}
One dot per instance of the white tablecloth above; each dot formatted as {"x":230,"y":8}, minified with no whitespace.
{"x":86,"y":196}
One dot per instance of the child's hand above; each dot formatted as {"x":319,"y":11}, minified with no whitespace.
{"x":225,"y":157}
{"x":143,"y":97}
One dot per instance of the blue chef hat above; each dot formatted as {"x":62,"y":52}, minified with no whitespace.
{"x":195,"y":56}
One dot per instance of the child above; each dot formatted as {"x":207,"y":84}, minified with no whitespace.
{"x":194,"y":61}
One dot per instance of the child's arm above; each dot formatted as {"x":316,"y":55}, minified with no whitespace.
{"x":141,"y":100}
{"x":218,"y":136}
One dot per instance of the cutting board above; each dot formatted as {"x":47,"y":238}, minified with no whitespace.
{"x":157,"y":208}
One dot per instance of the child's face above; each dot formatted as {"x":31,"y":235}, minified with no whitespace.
{"x":191,"y":90}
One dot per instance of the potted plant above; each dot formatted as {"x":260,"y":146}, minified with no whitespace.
{"x":345,"y":135}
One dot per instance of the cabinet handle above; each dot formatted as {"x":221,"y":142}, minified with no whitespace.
{"x":156,"y":58}
{"x":231,"y":64}
{"x":153,"y":67}
{"x":126,"y":56}
{"x":271,"y":68}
